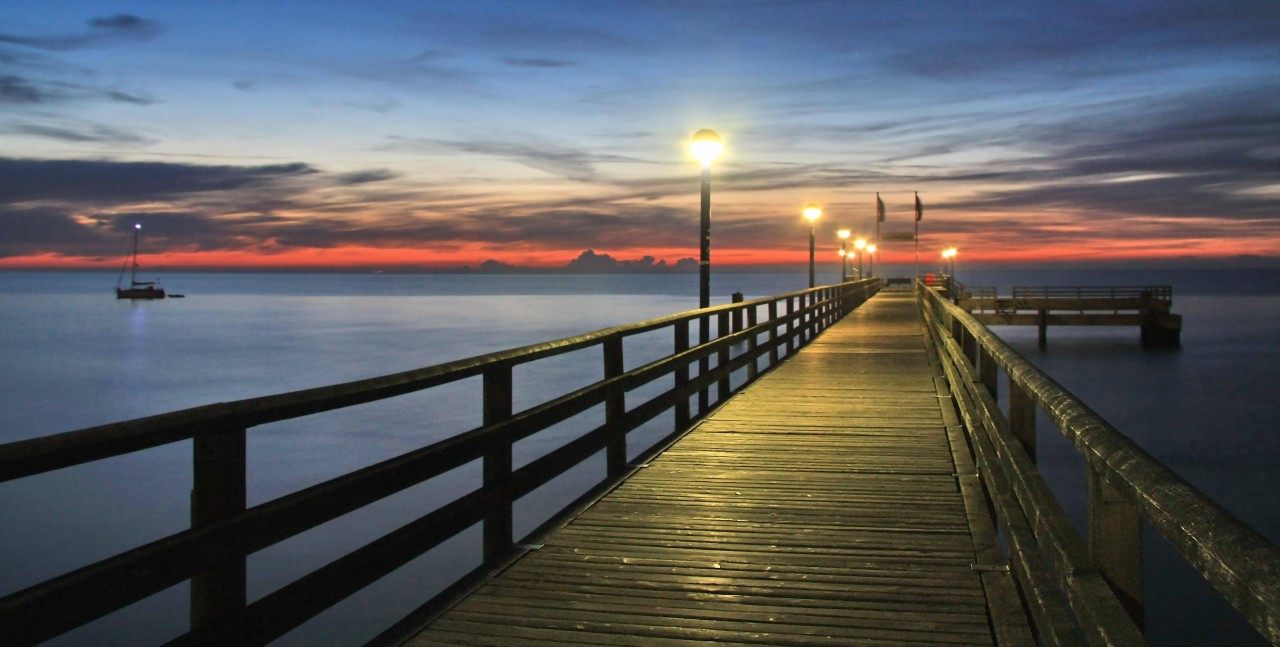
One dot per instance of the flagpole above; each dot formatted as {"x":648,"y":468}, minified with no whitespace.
{"x":879,"y":219}
{"x":917,"y":236}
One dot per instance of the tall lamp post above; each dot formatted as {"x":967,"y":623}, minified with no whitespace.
{"x":950,"y":255}
{"x":861,"y":244}
{"x":812,"y":212}
{"x":705,"y":146}
{"x":844,"y":255}
{"x":871,"y":249}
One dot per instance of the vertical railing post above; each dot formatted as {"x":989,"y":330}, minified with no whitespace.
{"x":791,"y":325}
{"x":1115,"y":542}
{"x":497,"y":464}
{"x":722,"y":357}
{"x":773,"y":333}
{"x":752,"y":344}
{"x":615,"y":408}
{"x":970,"y":346}
{"x":682,"y":374}
{"x":1022,"y":418}
{"x":704,"y":364}
{"x":987,"y":370}
{"x":218,"y":493}
{"x":737,"y":313}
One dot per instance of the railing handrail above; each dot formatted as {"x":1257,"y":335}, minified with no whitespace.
{"x":56,"y":451}
{"x":1235,"y":559}
{"x":216,"y":547}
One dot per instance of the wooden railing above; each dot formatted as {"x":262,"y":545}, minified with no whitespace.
{"x":212,"y":553}
{"x":1088,"y":587}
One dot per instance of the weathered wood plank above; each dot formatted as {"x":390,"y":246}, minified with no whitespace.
{"x":819,"y":506}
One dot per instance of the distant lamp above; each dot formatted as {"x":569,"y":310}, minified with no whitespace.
{"x":812,"y":212}
{"x":949,"y":254}
{"x":137,"y":226}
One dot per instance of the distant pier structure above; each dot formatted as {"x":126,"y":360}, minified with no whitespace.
{"x":1147,"y":307}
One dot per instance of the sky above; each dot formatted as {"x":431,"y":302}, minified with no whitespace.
{"x":435,"y":134}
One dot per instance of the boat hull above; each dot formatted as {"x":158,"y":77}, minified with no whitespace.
{"x":140,"y":293}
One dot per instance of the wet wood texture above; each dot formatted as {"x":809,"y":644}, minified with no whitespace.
{"x":820,"y":506}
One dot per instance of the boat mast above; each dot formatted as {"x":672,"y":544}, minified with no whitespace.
{"x":133,"y":271}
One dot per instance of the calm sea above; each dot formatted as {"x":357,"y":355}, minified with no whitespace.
{"x":73,"y":357}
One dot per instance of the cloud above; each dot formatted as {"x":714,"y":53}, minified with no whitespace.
{"x":366,"y":177}
{"x":536,"y":62}
{"x":96,"y":134}
{"x":1184,"y":157}
{"x":23,"y":180}
{"x":16,"y":90}
{"x":562,"y":161}
{"x":102,"y":31}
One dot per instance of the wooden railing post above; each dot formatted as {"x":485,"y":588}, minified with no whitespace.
{"x":682,"y":374}
{"x":737,"y":313}
{"x":773,"y":333}
{"x":1115,"y":542}
{"x":791,"y":325}
{"x":970,"y":346}
{"x":752,"y":343}
{"x":704,"y":364}
{"x":615,"y":408}
{"x":987,"y":370}
{"x":497,"y":464}
{"x":722,"y":357}
{"x":1022,"y":418}
{"x":218,"y":493}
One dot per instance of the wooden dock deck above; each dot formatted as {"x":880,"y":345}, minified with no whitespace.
{"x":825,"y":504}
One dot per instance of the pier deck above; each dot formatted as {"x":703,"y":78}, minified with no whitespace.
{"x":822,"y":505}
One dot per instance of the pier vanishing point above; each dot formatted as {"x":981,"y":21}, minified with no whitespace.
{"x":845,"y":465}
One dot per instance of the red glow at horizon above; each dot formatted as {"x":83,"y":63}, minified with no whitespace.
{"x":357,"y":258}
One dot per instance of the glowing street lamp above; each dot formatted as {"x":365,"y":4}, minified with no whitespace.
{"x":844,"y":256}
{"x":861,"y":244}
{"x":871,"y":249}
{"x":705,"y":146}
{"x":950,"y":255}
{"x":812,"y":212}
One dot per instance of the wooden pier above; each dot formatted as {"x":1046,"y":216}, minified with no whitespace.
{"x":820,"y":506}
{"x":843,"y":465}
{"x":1147,"y":307}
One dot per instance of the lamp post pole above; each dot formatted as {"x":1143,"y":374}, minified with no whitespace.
{"x":871,"y":249}
{"x":812,"y":212}
{"x":705,"y":146}
{"x":861,"y":244}
{"x":844,"y":255}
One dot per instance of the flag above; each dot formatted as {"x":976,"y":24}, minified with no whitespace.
{"x":879,"y":208}
{"x":919,"y":207}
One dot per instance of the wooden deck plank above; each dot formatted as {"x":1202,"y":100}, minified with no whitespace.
{"x":820,"y":506}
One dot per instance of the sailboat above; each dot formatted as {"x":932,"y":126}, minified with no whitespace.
{"x":137,"y":289}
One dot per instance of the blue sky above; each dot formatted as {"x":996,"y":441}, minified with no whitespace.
{"x":446,"y":133}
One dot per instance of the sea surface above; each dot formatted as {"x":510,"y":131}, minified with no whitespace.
{"x":74,"y":357}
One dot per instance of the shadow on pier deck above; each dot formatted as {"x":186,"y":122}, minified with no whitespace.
{"x":819,"y":506}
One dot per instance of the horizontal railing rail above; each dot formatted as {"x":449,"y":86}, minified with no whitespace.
{"x":212,"y":553}
{"x":1126,"y":487}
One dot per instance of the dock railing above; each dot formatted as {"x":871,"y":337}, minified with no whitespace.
{"x":212,"y":553}
{"x":1097,"y":578}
